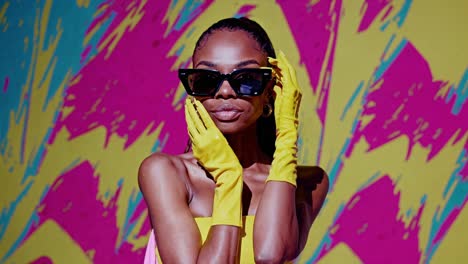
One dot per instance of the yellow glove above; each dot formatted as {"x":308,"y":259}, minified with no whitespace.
{"x":287,"y":101}
{"x":213,"y":152}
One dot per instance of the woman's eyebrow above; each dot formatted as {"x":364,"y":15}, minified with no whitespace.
{"x":239,"y":65}
{"x":206,"y":63}
{"x":247,"y":62}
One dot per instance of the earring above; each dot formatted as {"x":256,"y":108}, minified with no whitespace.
{"x":267,"y":110}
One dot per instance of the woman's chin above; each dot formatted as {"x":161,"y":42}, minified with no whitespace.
{"x":229,"y":127}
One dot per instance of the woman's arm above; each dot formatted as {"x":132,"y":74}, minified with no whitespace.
{"x":276,"y":232}
{"x":161,"y":180}
{"x":281,"y":229}
{"x":276,"y":227}
{"x":313,"y":184}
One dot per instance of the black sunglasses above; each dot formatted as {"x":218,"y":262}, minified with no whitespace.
{"x":202,"y":82}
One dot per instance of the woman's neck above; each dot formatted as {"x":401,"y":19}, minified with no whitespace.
{"x":245,"y":146}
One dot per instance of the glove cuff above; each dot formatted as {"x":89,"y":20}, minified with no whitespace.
{"x":227,"y":203}
{"x":283,"y":168}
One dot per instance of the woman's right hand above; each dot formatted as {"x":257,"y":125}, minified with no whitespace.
{"x":213,"y":152}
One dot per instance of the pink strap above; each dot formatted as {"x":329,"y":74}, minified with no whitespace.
{"x":150,"y":255}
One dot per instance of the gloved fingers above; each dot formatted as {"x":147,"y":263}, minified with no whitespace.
{"x":278,"y":96}
{"x":192,"y":131}
{"x":190,"y":127}
{"x":291,"y":72}
{"x":193,"y":120}
{"x":276,"y":71}
{"x":204,"y":116}
{"x":284,"y":69}
{"x":272,"y":61}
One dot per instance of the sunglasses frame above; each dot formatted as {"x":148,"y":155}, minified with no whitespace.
{"x":267,"y":76}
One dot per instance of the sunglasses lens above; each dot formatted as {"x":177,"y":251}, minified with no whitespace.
{"x":249,"y":82}
{"x":203,"y":82}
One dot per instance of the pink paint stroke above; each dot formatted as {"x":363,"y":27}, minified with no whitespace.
{"x":85,"y":53}
{"x":85,"y":218}
{"x":369,"y":225}
{"x":5,"y":84}
{"x":42,"y":260}
{"x":133,"y":89}
{"x":139,"y":210}
{"x":313,"y":27}
{"x":371,"y":9}
{"x":407,"y":104}
{"x":245,"y":10}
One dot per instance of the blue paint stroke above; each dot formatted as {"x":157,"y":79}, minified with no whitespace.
{"x":385,"y":64}
{"x":351,"y":100}
{"x":133,"y":202}
{"x":456,"y":200}
{"x":461,"y":92}
{"x":190,"y":10}
{"x":326,"y":241}
{"x":7,"y":213}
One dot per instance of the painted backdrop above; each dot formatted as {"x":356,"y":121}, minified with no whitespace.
{"x":89,"y":88}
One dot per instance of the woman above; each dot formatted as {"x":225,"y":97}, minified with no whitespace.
{"x":239,"y":196}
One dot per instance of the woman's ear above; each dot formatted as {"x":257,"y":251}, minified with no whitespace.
{"x":268,"y":94}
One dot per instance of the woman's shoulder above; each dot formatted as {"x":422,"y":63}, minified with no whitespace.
{"x":162,"y":168}
{"x":160,"y":161}
{"x":312,"y":178}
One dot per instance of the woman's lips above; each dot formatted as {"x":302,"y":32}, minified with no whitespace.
{"x":229,"y":115}
{"x":226,"y":112}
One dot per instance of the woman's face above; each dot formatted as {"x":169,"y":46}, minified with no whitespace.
{"x":225,"y":51}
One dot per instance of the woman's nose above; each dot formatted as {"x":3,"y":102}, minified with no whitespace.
{"x":225,"y":91}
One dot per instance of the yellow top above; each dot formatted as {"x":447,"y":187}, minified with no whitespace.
{"x":246,"y":252}
{"x":246,"y":246}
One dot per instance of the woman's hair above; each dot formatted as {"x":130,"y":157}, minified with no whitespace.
{"x":266,"y":127}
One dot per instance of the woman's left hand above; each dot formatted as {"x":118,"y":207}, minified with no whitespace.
{"x":287,"y":103}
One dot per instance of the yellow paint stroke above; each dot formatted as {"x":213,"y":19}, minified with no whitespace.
{"x":90,"y":146}
{"x":132,"y":239}
{"x":37,"y":125}
{"x":173,"y":14}
{"x":366,"y":50}
{"x":62,"y":153}
{"x":453,"y":246}
{"x":438,"y":30}
{"x":443,"y":91}
{"x":82,"y":3}
{"x":51,"y":241}
{"x":3,"y":18}
{"x":93,"y":31}
{"x":351,"y":48}
{"x":3,"y":12}
{"x":128,"y":24}
{"x":341,"y":253}
{"x":414,"y":179}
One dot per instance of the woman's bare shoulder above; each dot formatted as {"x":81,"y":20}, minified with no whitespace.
{"x":309,"y":175}
{"x":313,"y":178}
{"x":165,"y":168}
{"x":160,"y":161}
{"x":161,"y":168}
